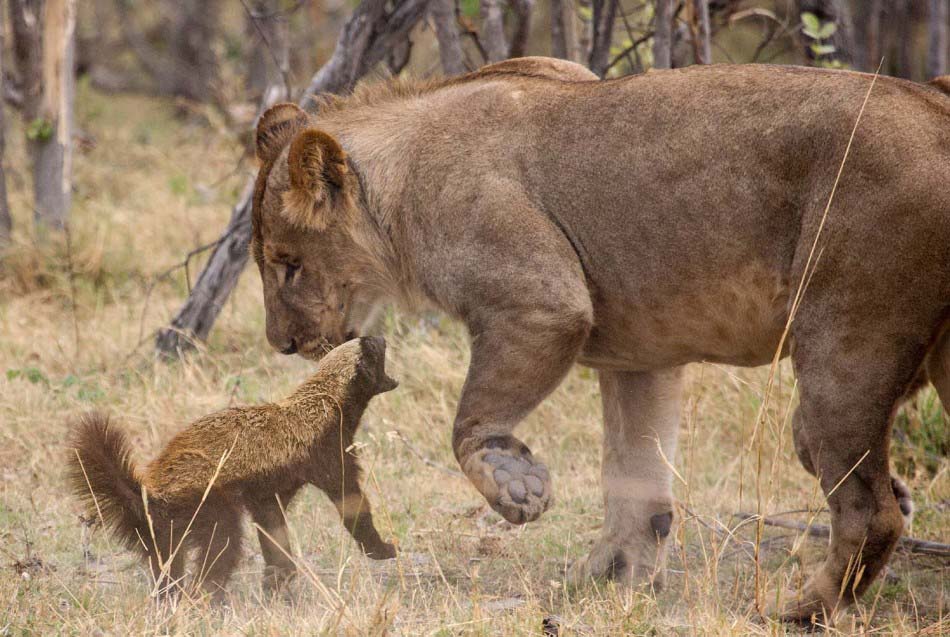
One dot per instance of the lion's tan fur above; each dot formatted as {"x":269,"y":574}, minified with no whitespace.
{"x":637,"y":225}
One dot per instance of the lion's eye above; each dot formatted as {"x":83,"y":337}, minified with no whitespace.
{"x":292,"y":269}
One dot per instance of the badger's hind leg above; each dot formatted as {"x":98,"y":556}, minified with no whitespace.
{"x":216,"y":542}
{"x":166,"y":565}
{"x":274,"y":538}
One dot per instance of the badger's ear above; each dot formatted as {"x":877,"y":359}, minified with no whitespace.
{"x":317,"y":165}
{"x":276,"y":127}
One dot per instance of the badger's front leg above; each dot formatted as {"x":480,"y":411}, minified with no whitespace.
{"x":518,"y":357}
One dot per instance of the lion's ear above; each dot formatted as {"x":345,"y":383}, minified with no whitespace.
{"x":317,"y":164}
{"x":276,"y":127}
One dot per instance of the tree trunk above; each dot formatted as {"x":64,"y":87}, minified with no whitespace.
{"x":519,"y":41}
{"x":365,"y":40}
{"x":663,"y":34}
{"x":493,"y":31}
{"x":866,"y":51}
{"x":447,"y":33}
{"x":939,"y":38}
{"x":604,"y":13}
{"x":6,"y":221}
{"x":703,"y":32}
{"x":563,"y":30}
{"x":52,"y":147}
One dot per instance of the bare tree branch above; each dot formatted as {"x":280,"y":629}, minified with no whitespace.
{"x":447,"y":33}
{"x":908,"y":544}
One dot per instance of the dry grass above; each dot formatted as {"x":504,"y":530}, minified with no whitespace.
{"x":155,"y":187}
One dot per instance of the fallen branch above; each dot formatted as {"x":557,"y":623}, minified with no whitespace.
{"x":906,"y":544}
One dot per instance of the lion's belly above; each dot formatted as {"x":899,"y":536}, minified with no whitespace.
{"x":736,"y":321}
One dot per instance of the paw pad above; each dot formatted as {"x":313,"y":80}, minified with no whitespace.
{"x":515,"y":485}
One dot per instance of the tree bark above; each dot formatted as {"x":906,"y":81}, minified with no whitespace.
{"x":939,"y":38}
{"x":663,"y":34}
{"x":447,"y":33}
{"x":703,"y":32}
{"x":519,"y":41}
{"x":493,"y":31}
{"x":563,"y":30}
{"x":52,"y":147}
{"x":603,"y":23}
{"x":6,"y":221}
{"x":366,"y":38}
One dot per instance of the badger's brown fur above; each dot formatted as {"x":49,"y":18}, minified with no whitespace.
{"x":255,"y":459}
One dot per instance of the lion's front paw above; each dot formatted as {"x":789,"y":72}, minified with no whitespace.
{"x":515,"y":485}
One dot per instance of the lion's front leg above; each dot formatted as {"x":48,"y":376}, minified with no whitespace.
{"x":641,"y":416}
{"x":517,"y":359}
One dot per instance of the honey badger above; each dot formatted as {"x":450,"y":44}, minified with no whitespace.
{"x":261,"y":454}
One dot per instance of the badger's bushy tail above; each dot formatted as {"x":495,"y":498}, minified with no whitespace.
{"x":102,"y":474}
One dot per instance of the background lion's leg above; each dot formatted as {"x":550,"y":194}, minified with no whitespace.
{"x":847,"y":402}
{"x":641,"y":415}
{"x":517,"y":359}
{"x":938,"y":368}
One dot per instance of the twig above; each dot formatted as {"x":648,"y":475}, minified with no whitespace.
{"x":169,"y":271}
{"x":907,"y":544}
{"x":427,"y":461}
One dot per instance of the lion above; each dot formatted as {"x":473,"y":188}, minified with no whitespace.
{"x":193,"y":495}
{"x":634,"y":226}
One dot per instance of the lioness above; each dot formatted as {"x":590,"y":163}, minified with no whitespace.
{"x":633,"y":226}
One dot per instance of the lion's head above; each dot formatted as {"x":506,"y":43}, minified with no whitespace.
{"x":305,"y":220}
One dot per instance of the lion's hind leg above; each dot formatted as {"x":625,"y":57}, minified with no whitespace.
{"x":848,"y":397}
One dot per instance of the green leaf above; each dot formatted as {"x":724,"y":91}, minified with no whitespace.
{"x":470,"y":8}
{"x":811,"y":22}
{"x":39,"y":130}
{"x":827,"y":30}
{"x":585,"y":13}
{"x":13,"y":373}
{"x":822,"y":49}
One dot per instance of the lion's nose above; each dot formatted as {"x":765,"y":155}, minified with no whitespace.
{"x":290,"y":349}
